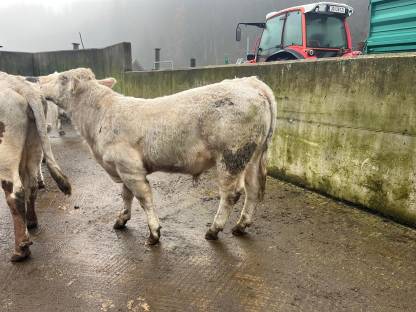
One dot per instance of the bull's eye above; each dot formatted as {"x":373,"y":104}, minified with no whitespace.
{"x":64,"y":79}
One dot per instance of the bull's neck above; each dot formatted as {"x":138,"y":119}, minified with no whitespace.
{"x":87,"y":111}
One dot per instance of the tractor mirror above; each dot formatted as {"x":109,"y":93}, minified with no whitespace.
{"x":251,"y":57}
{"x":238,"y":34}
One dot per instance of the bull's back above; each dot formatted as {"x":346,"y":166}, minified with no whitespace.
{"x":195,"y":126}
{"x":205,"y":122}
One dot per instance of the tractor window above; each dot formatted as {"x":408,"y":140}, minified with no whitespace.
{"x":293,"y":29}
{"x":272,"y":35}
{"x":325,"y":31}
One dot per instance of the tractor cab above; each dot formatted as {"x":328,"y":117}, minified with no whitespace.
{"x":309,"y":31}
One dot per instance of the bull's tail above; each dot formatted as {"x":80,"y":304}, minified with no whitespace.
{"x":262,"y":175}
{"x":36,"y":105}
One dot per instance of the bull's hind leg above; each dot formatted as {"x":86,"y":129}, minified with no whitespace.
{"x":15,"y":198}
{"x":252,"y":185}
{"x":32,"y":187}
{"x":31,"y":217}
{"x":125,"y":214}
{"x":229,"y":195}
{"x":34,"y":157}
{"x":41,"y":180}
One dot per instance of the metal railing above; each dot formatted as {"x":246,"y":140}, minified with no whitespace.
{"x":157,"y":65}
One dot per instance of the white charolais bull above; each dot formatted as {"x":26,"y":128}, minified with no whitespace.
{"x":23,"y":140}
{"x":228,"y":125}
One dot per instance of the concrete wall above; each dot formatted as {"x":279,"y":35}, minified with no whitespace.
{"x":16,"y":63}
{"x":109,"y":61}
{"x":115,"y":59}
{"x":346,"y":127}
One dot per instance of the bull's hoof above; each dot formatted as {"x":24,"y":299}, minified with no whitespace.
{"x":32,"y":225}
{"x":238,"y":231}
{"x":153,"y":240}
{"x":21,"y":256}
{"x":211,"y":235}
{"x":41,"y":185}
{"x":119,"y":225}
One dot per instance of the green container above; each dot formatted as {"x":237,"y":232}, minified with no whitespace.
{"x":392,"y":26}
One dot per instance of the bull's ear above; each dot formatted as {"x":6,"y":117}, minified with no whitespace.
{"x":108,"y":82}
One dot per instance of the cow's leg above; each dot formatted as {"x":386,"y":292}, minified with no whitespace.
{"x":252,"y":189}
{"x":133,"y":174}
{"x":125,"y":214}
{"x":15,"y":198}
{"x":41,"y":180}
{"x":229,"y":195}
{"x":33,"y":163}
{"x":140,"y":187}
{"x":31,"y":217}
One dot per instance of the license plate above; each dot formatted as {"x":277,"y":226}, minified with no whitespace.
{"x":336,"y":9}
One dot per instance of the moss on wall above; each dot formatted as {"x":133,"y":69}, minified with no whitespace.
{"x":346,"y":127}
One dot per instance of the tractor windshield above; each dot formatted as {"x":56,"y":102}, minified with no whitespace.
{"x":325,"y":31}
{"x":272,"y":36}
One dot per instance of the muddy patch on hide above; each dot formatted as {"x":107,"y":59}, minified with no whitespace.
{"x":223,"y":102}
{"x":236,"y":162}
{"x":2,"y":130}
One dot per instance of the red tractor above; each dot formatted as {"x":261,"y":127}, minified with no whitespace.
{"x":304,"y":32}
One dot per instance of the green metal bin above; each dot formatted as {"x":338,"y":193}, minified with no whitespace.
{"x":392,"y":26}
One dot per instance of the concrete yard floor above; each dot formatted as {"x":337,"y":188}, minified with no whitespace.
{"x":305,"y":252}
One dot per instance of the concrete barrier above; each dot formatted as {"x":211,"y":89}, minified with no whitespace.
{"x":112,"y":60}
{"x":16,"y":63}
{"x":346,"y":127}
{"x":109,"y":61}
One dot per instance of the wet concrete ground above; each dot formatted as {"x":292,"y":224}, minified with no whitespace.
{"x":304,"y":253}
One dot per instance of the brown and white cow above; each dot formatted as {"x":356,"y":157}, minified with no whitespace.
{"x":228,"y":125}
{"x":23,"y":141}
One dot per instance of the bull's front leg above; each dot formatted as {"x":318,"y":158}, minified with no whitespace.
{"x":140,"y":187}
{"x":125,"y":214}
{"x":134,"y":178}
{"x":131,"y":171}
{"x":15,"y":198}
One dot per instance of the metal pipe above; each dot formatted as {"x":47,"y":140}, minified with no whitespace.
{"x":157,"y":59}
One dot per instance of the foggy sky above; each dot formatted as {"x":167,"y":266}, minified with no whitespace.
{"x":182,"y":28}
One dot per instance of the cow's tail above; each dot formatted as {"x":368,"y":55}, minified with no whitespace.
{"x":268,"y":93}
{"x":36,"y":104}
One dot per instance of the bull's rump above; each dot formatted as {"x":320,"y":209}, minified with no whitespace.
{"x":13,"y":125}
{"x":187,"y":131}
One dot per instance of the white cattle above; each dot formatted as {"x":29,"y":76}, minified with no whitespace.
{"x":53,"y":123}
{"x":23,"y":140}
{"x":228,"y":125}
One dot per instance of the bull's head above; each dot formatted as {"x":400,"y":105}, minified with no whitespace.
{"x":63,"y":88}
